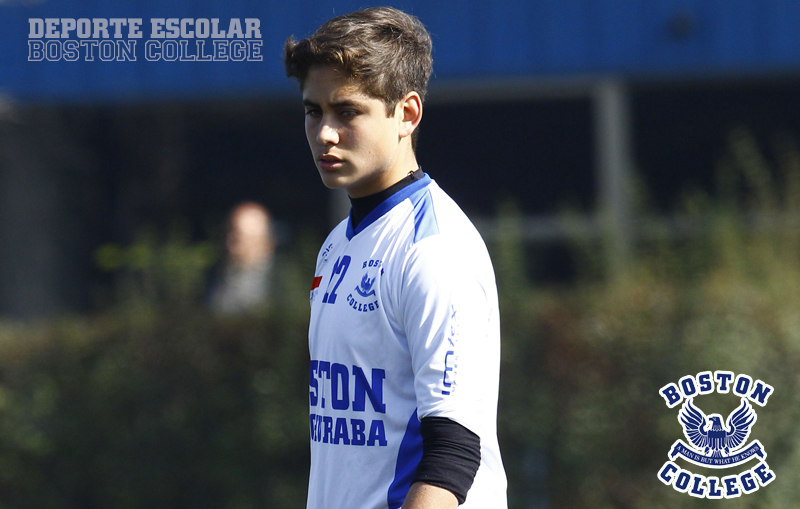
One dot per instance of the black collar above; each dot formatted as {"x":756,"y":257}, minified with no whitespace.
{"x":366,"y":204}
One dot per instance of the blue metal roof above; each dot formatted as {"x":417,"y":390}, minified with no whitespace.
{"x":472,"y":39}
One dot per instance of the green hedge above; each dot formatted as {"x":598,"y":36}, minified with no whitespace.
{"x":581,"y":421}
{"x":163,"y":405}
{"x":163,"y":411}
{"x":155,"y":403}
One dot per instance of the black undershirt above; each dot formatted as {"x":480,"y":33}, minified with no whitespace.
{"x":451,"y":454}
{"x":364,"y":205}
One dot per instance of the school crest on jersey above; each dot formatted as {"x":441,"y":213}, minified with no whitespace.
{"x":365,"y":289}
{"x":364,"y":298}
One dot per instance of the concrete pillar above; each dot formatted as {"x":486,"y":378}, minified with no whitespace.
{"x":614,"y":162}
{"x":31,"y":256}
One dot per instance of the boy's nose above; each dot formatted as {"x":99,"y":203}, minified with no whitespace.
{"x":327,"y":135}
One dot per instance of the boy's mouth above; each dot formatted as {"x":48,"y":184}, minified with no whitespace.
{"x":329,"y":162}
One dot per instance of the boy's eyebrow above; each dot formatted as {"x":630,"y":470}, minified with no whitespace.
{"x":340,"y":104}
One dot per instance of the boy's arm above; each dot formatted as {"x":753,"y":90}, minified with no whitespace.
{"x":427,"y":496}
{"x":445,"y":314}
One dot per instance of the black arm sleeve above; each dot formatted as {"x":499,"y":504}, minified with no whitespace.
{"x":451,"y":455}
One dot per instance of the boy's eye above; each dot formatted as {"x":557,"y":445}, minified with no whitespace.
{"x":349,"y":113}
{"x":312,"y":113}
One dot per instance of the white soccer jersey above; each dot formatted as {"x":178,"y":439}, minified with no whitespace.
{"x":404,"y":325}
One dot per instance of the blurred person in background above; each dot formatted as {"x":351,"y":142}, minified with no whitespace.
{"x":243,"y":282}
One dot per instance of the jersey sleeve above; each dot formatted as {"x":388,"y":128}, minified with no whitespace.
{"x":446,"y":305}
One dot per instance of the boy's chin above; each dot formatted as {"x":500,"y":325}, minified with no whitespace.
{"x":334,"y":181}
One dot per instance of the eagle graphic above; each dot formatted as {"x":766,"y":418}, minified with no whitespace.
{"x":716,"y":438}
{"x":366,"y":286}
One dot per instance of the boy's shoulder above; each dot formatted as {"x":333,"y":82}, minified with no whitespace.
{"x":422,"y":218}
{"x":442,"y":216}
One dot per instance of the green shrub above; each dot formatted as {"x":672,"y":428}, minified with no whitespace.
{"x":155,"y":403}
{"x":581,"y":420}
{"x":166,"y":411}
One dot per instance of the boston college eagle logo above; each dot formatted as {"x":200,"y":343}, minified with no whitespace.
{"x":366,"y":286}
{"x":364,"y":298}
{"x":709,"y":435}
{"x":712,"y":443}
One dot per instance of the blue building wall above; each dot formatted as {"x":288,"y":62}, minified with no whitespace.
{"x":472,"y":38}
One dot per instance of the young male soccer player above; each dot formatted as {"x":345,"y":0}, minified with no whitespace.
{"x":404,"y":334}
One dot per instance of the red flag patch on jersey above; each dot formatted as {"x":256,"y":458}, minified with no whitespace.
{"x":315,"y":283}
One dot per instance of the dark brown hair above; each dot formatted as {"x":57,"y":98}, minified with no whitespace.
{"x":386,"y":51}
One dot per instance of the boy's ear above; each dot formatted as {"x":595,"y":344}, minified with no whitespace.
{"x":410,"y":113}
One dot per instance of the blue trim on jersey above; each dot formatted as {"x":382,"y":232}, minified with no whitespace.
{"x":424,"y":217}
{"x":408,"y":457}
{"x":385,"y":206}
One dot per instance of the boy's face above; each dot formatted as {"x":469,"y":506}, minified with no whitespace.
{"x":355,"y":146}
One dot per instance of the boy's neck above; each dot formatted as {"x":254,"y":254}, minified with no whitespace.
{"x":366,"y":204}
{"x":402,"y":168}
